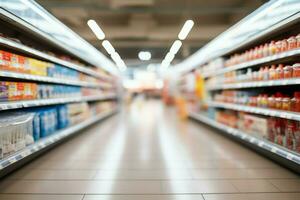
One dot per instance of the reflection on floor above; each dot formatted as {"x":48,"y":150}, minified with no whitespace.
{"x":147,"y":153}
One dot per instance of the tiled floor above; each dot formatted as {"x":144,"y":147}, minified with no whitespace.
{"x":147,"y":153}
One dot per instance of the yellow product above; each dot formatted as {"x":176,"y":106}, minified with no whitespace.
{"x":38,"y":67}
{"x":12,"y":91}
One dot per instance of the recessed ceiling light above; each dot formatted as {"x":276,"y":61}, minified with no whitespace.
{"x":144,"y":55}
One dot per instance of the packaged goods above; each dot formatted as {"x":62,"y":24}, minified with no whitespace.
{"x":254,"y":125}
{"x":62,"y":116}
{"x":15,"y":132}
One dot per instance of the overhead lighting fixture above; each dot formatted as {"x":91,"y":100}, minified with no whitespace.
{"x":116,"y":57}
{"x":187,"y":27}
{"x":165,"y":64}
{"x":175,"y":47}
{"x":144,"y":55}
{"x":169,"y":57}
{"x":108,"y":47}
{"x":96,"y":29}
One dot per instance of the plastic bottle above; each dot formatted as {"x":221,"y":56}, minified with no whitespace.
{"x":298,"y":40}
{"x":278,"y":100}
{"x":271,"y":102}
{"x":295,"y":102}
{"x":296,"y":70}
{"x":279,"y":72}
{"x":286,"y":103}
{"x":272,"y":47}
{"x":292,"y":43}
{"x":288,"y":72}
{"x":272,"y":72}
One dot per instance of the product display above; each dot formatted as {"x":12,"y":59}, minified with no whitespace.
{"x":251,"y":84}
{"x":255,"y":98}
{"x":23,"y":128}
{"x":48,"y":91}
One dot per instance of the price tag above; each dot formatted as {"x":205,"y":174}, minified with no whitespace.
{"x":274,"y":149}
{"x":289,"y":156}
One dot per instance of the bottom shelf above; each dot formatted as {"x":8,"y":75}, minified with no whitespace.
{"x":50,"y":140}
{"x":257,"y":142}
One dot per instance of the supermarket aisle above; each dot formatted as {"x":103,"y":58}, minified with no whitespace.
{"x":145,"y":152}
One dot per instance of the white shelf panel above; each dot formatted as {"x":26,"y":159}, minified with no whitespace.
{"x":45,"y":102}
{"x":252,"y":63}
{"x":31,"y":51}
{"x":259,"y":142}
{"x":257,"y":110}
{"x":41,"y":144}
{"x":255,"y":84}
{"x":46,"y":79}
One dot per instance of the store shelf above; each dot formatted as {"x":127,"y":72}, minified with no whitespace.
{"x":258,"y":142}
{"x":50,"y":140}
{"x":46,"y":102}
{"x":270,"y":83}
{"x":30,"y":51}
{"x":261,"y":61}
{"x":15,"y":75}
{"x":257,"y":110}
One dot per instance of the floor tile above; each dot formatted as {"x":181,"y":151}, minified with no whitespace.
{"x":254,"y":186}
{"x":259,"y":196}
{"x":54,"y":175}
{"x":39,"y":197}
{"x":287,"y":185}
{"x":143,"y":197}
{"x":205,"y":186}
{"x":81,"y":187}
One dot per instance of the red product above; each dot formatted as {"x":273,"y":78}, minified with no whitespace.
{"x":295,"y":102}
{"x":296,"y":70}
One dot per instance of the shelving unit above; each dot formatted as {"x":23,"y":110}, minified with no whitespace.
{"x":274,"y":21}
{"x":255,"y":84}
{"x":32,"y":52}
{"x":41,"y":43}
{"x":46,"y":102}
{"x":261,"y":61}
{"x":14,"y":75}
{"x":48,"y":141}
{"x":257,"y":110}
{"x":257,"y":142}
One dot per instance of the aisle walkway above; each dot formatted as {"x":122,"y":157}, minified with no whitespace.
{"x":146,"y":153}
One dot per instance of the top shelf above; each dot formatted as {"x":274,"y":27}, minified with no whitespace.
{"x":30,"y":51}
{"x":35,"y":20}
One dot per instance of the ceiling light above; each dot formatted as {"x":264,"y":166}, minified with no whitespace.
{"x":175,"y":47}
{"x":108,"y":47}
{"x":188,"y":25}
{"x":169,"y":57}
{"x":165,"y":64}
{"x":144,"y":55}
{"x":116,"y":57}
{"x":96,"y":29}
{"x":121,"y":65}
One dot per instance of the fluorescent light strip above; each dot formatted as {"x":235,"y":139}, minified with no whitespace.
{"x":96,"y":29}
{"x":175,"y":47}
{"x":169,"y":57}
{"x":187,"y":27}
{"x":108,"y":47}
